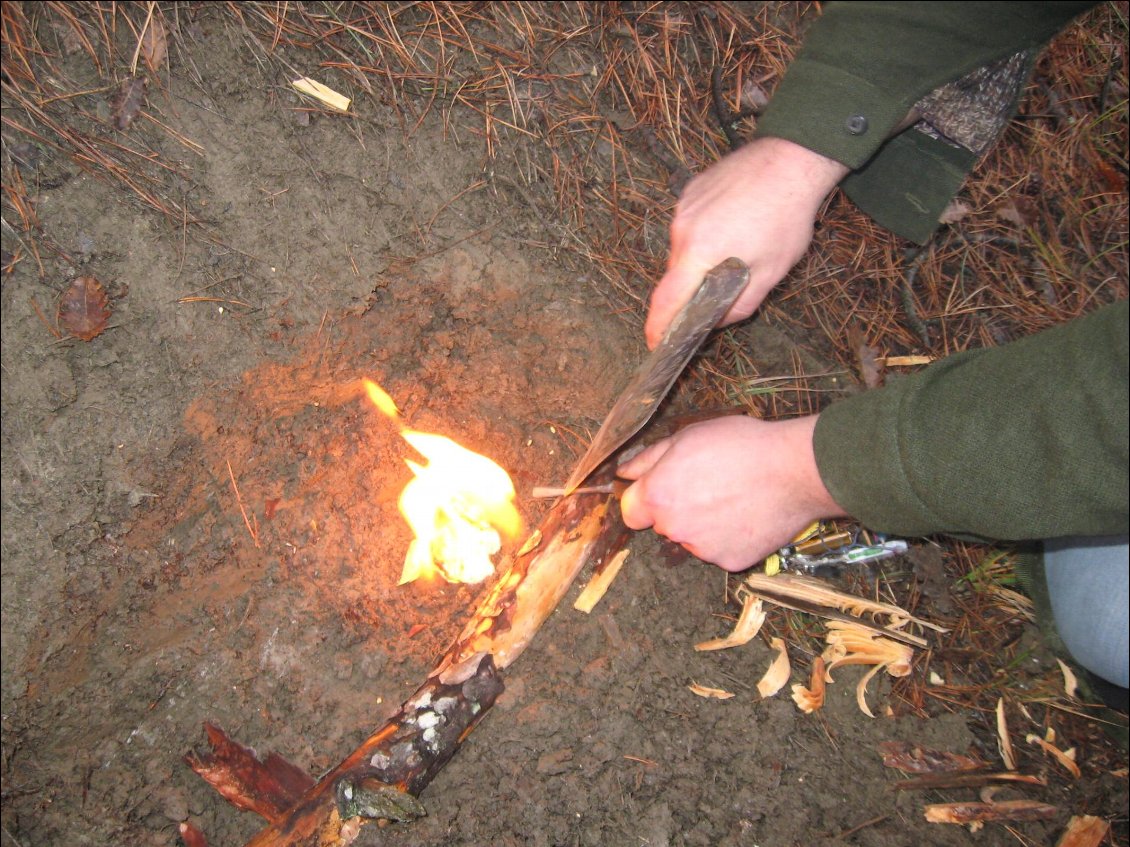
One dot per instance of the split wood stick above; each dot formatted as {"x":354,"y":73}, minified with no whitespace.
{"x":380,"y":778}
{"x":268,"y":787}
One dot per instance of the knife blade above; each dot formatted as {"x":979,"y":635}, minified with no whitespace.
{"x":658,"y":372}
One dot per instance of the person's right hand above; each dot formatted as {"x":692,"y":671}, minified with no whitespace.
{"x":759,"y":204}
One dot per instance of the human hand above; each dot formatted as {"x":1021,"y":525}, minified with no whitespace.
{"x":759,"y":204}
{"x":731,"y":490}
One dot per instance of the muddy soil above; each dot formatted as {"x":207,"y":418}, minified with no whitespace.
{"x":200,"y":524}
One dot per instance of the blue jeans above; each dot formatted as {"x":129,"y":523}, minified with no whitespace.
{"x":1087,"y":585}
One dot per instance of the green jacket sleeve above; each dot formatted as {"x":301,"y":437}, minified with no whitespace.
{"x":1024,"y":441}
{"x":864,"y":66}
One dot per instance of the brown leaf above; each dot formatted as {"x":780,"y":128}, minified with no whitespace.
{"x":154,"y":44}
{"x":955,"y":212}
{"x":84,"y":308}
{"x":870,"y":366}
{"x":1017,"y":210}
{"x":1113,"y":181}
{"x":127,"y":102}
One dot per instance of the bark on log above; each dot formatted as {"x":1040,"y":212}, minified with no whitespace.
{"x":268,"y":787}
{"x":379,"y":780}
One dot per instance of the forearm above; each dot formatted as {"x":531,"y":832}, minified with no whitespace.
{"x":1017,"y":442}
{"x":864,"y":66}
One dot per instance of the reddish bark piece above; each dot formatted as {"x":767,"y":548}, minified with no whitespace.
{"x":84,"y":308}
{"x":913,"y":758}
{"x":1084,"y":831}
{"x":269,"y":787}
{"x":191,"y":836}
{"x":1006,"y":810}
{"x":127,"y":102}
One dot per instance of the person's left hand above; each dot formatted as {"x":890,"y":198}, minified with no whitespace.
{"x":731,"y":490}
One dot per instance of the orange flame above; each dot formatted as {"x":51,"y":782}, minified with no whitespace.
{"x":457,"y":505}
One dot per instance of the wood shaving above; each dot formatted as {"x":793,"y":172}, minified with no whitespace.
{"x":1006,"y":810}
{"x":715,"y":693}
{"x":1004,"y":743}
{"x":1084,"y":831}
{"x":778,"y":673}
{"x":851,"y":644}
{"x":1064,"y":757}
{"x":1070,"y":683}
{"x":782,"y":588}
{"x":322,"y":93}
{"x":809,"y":699}
{"x":748,"y":625}
{"x":598,"y":585}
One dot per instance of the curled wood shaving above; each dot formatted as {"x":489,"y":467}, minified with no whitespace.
{"x":778,"y":673}
{"x":1004,"y":743}
{"x":748,"y":625}
{"x":851,"y":644}
{"x":1064,"y":757}
{"x":783,"y":588}
{"x":715,"y":693}
{"x":808,"y":700}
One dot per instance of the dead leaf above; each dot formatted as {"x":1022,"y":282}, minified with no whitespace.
{"x":955,"y":212}
{"x":753,"y":96}
{"x":870,"y":368}
{"x":127,"y":102}
{"x":1113,"y":181}
{"x":154,"y":44}
{"x":1017,"y":210}
{"x":84,"y":308}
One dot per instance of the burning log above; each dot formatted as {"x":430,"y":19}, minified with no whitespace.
{"x":381,"y":778}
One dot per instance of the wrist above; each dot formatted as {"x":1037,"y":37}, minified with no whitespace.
{"x":811,"y":491}
{"x":815,"y":174}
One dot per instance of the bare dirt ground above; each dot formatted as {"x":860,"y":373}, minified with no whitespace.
{"x":140,"y":599}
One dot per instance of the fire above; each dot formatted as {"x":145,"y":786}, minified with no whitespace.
{"x":459,"y":505}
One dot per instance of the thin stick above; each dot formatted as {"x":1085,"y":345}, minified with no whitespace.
{"x":254,"y":531}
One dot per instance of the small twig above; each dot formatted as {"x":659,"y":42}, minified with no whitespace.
{"x":907,"y":290}
{"x":839,"y":836}
{"x":39,"y":313}
{"x":253,"y":530}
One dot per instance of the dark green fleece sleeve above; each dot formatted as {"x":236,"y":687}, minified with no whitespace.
{"x":1024,"y":441}
{"x":864,"y":66}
